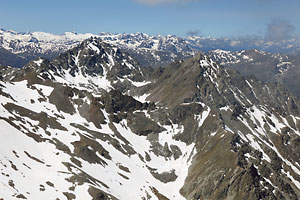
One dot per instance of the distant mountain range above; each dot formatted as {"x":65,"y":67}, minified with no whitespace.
{"x":148,"y":50}
{"x":249,"y":56}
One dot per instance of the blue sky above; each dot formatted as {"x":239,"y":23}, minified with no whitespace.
{"x":216,"y":18}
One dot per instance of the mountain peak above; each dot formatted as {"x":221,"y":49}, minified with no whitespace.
{"x":93,"y":64}
{"x":94,"y":57}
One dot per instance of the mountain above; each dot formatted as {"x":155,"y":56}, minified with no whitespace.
{"x":267,"y":67}
{"x":146,"y":49}
{"x":244,"y":147}
{"x":93,"y":124}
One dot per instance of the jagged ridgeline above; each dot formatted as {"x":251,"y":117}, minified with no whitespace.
{"x":93,"y":124}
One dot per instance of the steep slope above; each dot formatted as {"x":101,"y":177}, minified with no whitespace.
{"x":79,"y":127}
{"x":247,"y":146}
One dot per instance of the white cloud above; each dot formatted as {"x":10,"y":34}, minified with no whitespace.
{"x":279,"y":30}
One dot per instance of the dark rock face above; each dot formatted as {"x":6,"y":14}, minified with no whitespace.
{"x":115,"y":101}
{"x":141,"y":125}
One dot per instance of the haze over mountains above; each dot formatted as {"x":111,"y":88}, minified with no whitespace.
{"x":94,"y":122}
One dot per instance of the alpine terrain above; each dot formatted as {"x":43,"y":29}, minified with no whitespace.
{"x":92,"y":123}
